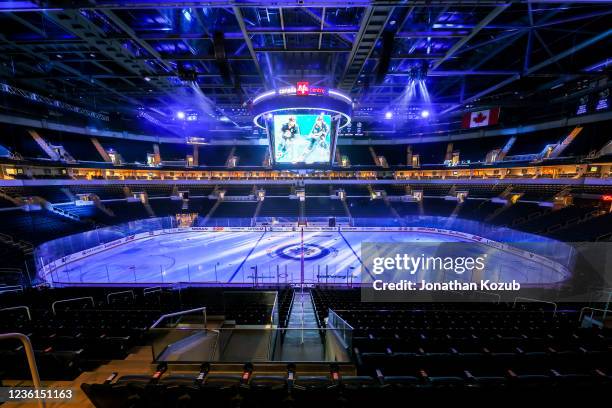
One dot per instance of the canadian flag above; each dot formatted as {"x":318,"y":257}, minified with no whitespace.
{"x":481,"y":118}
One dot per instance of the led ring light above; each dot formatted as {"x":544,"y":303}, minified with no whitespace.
{"x":302,"y":97}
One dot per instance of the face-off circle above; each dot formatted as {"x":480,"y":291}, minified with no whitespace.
{"x":294,"y":252}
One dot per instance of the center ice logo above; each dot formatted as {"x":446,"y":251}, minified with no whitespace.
{"x":294,"y":251}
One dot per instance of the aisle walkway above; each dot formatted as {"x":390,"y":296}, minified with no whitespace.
{"x":303,"y":343}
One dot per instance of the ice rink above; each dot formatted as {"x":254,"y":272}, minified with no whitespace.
{"x":266,"y":257}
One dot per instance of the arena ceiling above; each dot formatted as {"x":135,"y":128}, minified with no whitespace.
{"x":151,"y":59}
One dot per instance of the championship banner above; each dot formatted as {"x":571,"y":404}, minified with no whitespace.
{"x":487,"y":117}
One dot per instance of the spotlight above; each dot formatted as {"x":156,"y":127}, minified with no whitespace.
{"x":388,"y":115}
{"x":187,"y":74}
{"x":147,"y":78}
{"x":425,"y":114}
{"x":180,"y":115}
{"x":224,"y":119}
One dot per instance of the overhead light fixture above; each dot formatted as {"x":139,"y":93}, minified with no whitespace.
{"x":425,"y":114}
{"x":180,"y":115}
{"x":147,"y":78}
{"x":388,"y":115}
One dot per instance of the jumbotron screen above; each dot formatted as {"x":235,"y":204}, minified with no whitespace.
{"x":302,"y":138}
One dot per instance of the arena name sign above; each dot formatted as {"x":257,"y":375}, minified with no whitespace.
{"x":302,"y":89}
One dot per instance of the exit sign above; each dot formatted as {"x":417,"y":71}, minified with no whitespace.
{"x":302,"y":88}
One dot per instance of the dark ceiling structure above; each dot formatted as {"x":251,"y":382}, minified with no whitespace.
{"x":149,"y":59}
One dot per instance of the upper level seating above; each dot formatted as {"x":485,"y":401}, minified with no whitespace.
{"x":355,"y":190}
{"x":235,"y":209}
{"x":395,"y":155}
{"x":131,"y":151}
{"x":524,"y":215}
{"x":319,"y":190}
{"x":275,"y":190}
{"x":18,"y":140}
{"x":366,"y":207}
{"x":4,"y":203}
{"x":37,"y":226}
{"x":430,"y":153}
{"x":80,"y":147}
{"x":537,"y":192}
{"x":596,"y":228}
{"x":324,"y":207}
{"x":279,"y":207}
{"x":153,"y":190}
{"x":195,"y":190}
{"x":407,"y":209}
{"x":517,"y":212}
{"x":477,"y":209}
{"x":358,"y":155}
{"x":433,"y":189}
{"x":477,"y":151}
{"x":481,"y":191}
{"x":554,"y":219}
{"x":251,"y":155}
{"x":201,"y":205}
{"x":165,"y":206}
{"x":127,"y":211}
{"x":174,"y":151}
{"x":89,"y":212}
{"x":396,"y":189}
{"x":592,"y":138}
{"x":104,"y":192}
{"x":439,"y":207}
{"x":591,"y":189}
{"x":238,"y":190}
{"x":49,"y":193}
{"x":214,"y":155}
{"x":534,"y":143}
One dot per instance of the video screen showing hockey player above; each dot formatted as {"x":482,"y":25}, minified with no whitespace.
{"x":302,"y":138}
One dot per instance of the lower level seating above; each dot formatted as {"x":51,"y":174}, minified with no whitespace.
{"x":255,"y":389}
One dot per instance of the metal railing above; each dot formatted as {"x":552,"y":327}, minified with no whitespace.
{"x":334,"y":321}
{"x":247,"y":343}
{"x":93,"y":304}
{"x":153,"y":289}
{"x":11,"y":288}
{"x":27,"y":346}
{"x":535,"y":301}
{"x":27,"y":309}
{"x":181,"y":313}
{"x":593,"y":310}
{"x":120,"y":293}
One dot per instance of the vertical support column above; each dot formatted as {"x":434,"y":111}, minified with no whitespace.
{"x":156,"y":153}
{"x":196,"y":155}
{"x":409,"y":155}
{"x":449,"y":152}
